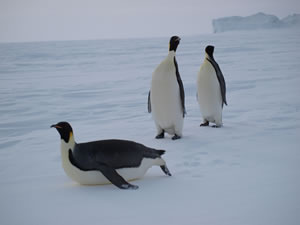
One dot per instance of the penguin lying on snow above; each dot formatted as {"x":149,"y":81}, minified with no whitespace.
{"x":106,"y":161}
{"x":211,"y":93}
{"x":166,"y":96}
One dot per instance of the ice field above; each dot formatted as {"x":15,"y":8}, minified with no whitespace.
{"x":245,"y":173}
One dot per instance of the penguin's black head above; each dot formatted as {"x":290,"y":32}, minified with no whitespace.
{"x":210,"y":51}
{"x":174,"y":42}
{"x":64,"y":129}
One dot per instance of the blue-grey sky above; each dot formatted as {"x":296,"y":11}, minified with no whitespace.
{"x":42,"y":20}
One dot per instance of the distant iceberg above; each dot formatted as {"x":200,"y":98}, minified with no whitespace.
{"x":254,"y":22}
{"x":292,"y":20}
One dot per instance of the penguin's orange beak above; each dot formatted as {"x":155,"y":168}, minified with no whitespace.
{"x":56,"y":126}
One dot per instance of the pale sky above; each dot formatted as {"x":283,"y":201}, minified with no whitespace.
{"x":43,"y":20}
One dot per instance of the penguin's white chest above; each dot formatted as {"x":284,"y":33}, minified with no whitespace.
{"x":96,"y":177}
{"x":209,"y":93}
{"x":165,"y":96}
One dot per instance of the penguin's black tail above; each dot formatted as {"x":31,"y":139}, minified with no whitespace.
{"x":153,"y":153}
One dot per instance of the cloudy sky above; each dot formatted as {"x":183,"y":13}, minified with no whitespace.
{"x":42,"y":20}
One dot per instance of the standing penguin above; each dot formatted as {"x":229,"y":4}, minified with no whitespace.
{"x":166,"y":96}
{"x":211,"y":93}
{"x":106,"y":161}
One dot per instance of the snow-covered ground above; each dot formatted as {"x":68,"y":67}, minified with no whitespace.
{"x":246,"y":173}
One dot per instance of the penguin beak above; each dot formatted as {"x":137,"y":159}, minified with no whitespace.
{"x":56,"y":126}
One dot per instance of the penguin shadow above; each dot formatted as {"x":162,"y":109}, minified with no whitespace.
{"x":168,"y":137}
{"x":147,"y":182}
{"x":88,"y":189}
{"x":225,"y":127}
{"x":211,"y":125}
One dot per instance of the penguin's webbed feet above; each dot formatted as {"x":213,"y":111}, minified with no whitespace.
{"x":175,"y":137}
{"x":166,"y":170}
{"x":205,"y":124}
{"x":161,"y":135}
{"x":216,"y":126}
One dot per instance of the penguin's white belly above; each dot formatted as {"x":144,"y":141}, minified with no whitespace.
{"x":165,"y":101}
{"x":97,"y":178}
{"x":209,"y":94}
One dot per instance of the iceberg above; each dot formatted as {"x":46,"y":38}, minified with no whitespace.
{"x":292,"y":20}
{"x":254,"y":22}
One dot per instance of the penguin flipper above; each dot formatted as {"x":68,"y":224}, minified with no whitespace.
{"x":181,"y":88}
{"x":220,"y":79}
{"x":222,"y":84}
{"x":149,"y":103}
{"x":112,"y":175}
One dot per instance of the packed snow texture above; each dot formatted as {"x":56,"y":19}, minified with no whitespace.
{"x":254,"y":22}
{"x":246,"y":172}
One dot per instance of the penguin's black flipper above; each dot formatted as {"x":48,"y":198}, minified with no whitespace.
{"x":220,"y":79}
{"x":222,"y":84}
{"x":112,"y":175}
{"x":149,"y":103}
{"x":181,"y":88}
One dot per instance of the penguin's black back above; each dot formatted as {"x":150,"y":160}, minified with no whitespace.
{"x":114,"y":153}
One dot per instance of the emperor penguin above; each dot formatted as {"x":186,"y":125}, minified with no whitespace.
{"x":106,"y":161}
{"x":211,"y":93}
{"x":166,"y":96}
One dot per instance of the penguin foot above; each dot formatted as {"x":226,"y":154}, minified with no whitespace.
{"x":204,"y":124}
{"x":216,"y":126}
{"x":175,"y":137}
{"x":160,"y":136}
{"x":166,"y":170}
{"x":129,"y":186}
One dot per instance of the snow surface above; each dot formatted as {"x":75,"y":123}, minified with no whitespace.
{"x":254,"y":22}
{"x":244,"y":173}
